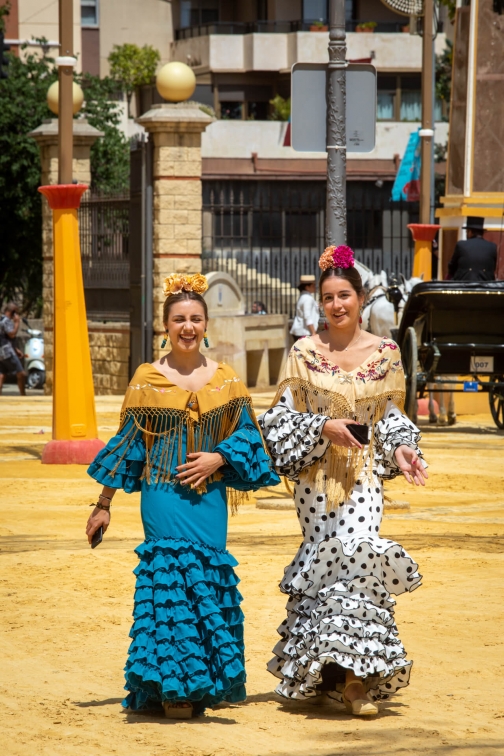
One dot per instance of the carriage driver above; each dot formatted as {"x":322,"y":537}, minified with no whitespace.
{"x":474,"y":259}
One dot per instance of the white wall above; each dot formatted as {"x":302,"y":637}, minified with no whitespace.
{"x":239,"y":139}
{"x":40,"y":19}
{"x":141,"y":22}
{"x":278,"y":52}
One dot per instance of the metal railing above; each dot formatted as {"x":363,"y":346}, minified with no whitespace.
{"x":104,"y":236}
{"x":280,"y":27}
{"x":266,"y":234}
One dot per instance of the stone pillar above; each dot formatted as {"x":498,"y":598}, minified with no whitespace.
{"x":177,"y":225}
{"x":46,"y":136}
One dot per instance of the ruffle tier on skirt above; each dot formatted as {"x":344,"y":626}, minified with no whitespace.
{"x":340,"y":610}
{"x":187,"y":634}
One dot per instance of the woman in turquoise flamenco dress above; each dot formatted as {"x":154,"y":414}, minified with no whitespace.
{"x":187,"y":434}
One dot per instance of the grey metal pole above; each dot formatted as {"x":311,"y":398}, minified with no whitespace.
{"x":336,"y":216}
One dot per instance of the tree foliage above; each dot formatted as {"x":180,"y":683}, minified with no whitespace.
{"x":110,"y":154}
{"x":451,"y":6}
{"x":131,"y":66}
{"x":281,"y":108}
{"x":23,"y":107}
{"x":444,"y":64}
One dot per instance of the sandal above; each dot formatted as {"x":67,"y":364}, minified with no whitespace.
{"x":361,"y":707}
{"x":178,"y":709}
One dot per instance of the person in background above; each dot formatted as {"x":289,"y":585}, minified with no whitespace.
{"x":474,"y":259}
{"x":307,"y":315}
{"x":9,"y":356}
{"x":259,"y":308}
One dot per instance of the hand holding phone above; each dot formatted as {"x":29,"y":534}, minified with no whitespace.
{"x":97,"y":538}
{"x":359,"y":432}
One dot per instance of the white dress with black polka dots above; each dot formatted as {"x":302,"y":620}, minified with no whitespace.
{"x":340,"y":582}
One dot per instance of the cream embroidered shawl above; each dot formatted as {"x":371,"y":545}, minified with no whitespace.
{"x":320,"y":386}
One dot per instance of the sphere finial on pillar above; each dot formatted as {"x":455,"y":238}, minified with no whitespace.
{"x":176,"y":82}
{"x":53,"y":97}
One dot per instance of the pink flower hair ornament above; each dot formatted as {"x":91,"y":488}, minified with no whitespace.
{"x":337,"y":257}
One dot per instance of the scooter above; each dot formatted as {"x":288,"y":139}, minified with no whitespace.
{"x":34,"y":357}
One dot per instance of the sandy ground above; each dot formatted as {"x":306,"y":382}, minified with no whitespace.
{"x":66,"y":612}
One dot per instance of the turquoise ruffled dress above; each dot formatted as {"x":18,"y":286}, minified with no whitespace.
{"x":187,"y":634}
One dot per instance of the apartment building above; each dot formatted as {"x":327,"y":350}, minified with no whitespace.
{"x":258,"y":192}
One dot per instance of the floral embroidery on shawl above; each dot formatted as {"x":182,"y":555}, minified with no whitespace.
{"x":374,"y":371}
{"x":228,"y":380}
{"x":317,"y":362}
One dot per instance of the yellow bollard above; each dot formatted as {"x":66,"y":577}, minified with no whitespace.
{"x":423,"y":236}
{"x":75,"y":433}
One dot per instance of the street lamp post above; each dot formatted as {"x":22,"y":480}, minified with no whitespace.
{"x":74,"y":432}
{"x":65,"y":63}
{"x":336,"y":213}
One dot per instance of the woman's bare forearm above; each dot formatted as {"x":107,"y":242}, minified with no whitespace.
{"x":108,"y":492}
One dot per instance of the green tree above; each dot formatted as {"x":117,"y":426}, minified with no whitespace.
{"x":23,"y":107}
{"x":131,"y":66}
{"x":444,"y":65}
{"x":110,"y":154}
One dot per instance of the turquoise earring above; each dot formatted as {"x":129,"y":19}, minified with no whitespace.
{"x":205,"y":339}
{"x":163,"y":343}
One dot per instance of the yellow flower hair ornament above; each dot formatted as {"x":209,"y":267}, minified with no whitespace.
{"x":176,"y":282}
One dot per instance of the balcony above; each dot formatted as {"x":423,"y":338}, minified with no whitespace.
{"x":279,"y":27}
{"x":240,"y":139}
{"x":230,"y":51}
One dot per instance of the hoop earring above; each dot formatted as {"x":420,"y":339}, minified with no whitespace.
{"x":163,"y":343}
{"x":205,"y":339}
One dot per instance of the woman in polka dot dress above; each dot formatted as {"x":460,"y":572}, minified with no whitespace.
{"x":339,"y":637}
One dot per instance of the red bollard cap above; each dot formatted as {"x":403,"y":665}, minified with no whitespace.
{"x":63,"y":196}
{"x":424,"y":231}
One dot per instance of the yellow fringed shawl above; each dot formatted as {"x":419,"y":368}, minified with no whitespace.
{"x":319,"y":386}
{"x":160,"y":410}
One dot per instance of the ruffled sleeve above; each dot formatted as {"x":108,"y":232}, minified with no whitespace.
{"x":393,"y":430}
{"x":294,"y":439}
{"x":120,"y":464}
{"x":248,"y":465}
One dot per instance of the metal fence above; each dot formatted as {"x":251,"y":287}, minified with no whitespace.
{"x":283,"y":27}
{"x":267,"y":233}
{"x":104,"y":237}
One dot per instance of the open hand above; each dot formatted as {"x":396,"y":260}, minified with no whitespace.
{"x":97,"y":518}
{"x":199,"y":466}
{"x":336,"y":431}
{"x":409,"y":462}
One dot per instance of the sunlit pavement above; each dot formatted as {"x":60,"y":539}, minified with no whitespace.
{"x":65,"y":611}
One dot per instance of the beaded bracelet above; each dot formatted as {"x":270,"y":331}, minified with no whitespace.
{"x":105,"y":507}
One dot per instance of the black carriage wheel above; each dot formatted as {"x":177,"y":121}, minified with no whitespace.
{"x":496,"y":399}
{"x":409,"y":352}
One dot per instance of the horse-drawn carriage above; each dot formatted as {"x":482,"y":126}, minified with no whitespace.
{"x":452,"y":339}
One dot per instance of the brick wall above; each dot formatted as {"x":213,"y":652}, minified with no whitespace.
{"x":109,"y":346}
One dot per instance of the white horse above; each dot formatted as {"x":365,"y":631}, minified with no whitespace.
{"x":379,"y":315}
{"x":379,"y":318}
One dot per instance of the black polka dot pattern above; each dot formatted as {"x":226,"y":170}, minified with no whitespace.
{"x":340,"y":583}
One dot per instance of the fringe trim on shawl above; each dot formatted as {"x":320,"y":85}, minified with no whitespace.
{"x":156,"y":423}
{"x":336,"y":473}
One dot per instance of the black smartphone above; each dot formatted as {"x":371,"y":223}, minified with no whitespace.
{"x":97,"y":538}
{"x":359,"y":432}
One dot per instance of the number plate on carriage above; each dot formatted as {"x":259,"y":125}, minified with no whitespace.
{"x":481,"y":364}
